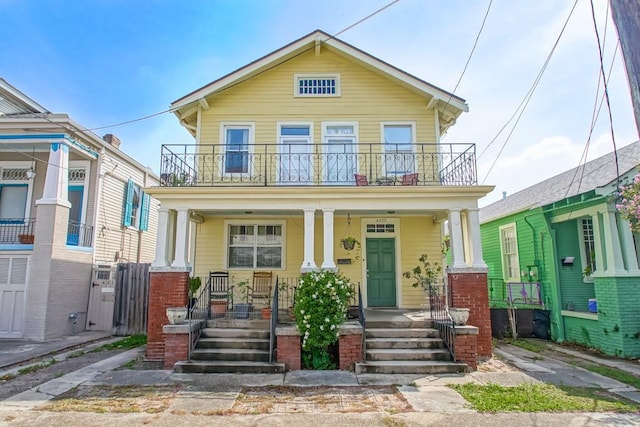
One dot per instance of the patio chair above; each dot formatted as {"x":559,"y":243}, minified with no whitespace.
{"x":361,"y":180}
{"x":261,"y":287}
{"x":410,"y":179}
{"x":220,"y":288}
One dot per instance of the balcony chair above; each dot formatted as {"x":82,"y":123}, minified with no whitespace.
{"x":220,"y":288}
{"x":261,"y":287}
{"x":361,"y":180}
{"x":410,"y":179}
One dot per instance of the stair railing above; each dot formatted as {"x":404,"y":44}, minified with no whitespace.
{"x":198,"y":312}
{"x":440,"y":315}
{"x":274,"y":321}
{"x":361,"y":320}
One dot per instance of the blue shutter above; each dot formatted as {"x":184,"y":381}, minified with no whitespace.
{"x":144,"y":212}
{"x":128,"y":204}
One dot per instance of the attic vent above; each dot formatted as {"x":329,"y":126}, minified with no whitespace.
{"x":77,"y":175}
{"x":317,"y":85}
{"x":15,"y":174}
{"x":381,"y":228}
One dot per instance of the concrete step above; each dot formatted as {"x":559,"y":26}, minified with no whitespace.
{"x":407,"y":355}
{"x":410,"y":367}
{"x":237,"y":343}
{"x":238,"y":324}
{"x":402,"y":333}
{"x":404,"y":343}
{"x":235,"y":333}
{"x":399,"y":323}
{"x":228,"y":367}
{"x":230,"y":354}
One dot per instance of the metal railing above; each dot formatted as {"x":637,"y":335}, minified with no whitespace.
{"x":438,"y":306}
{"x":317,"y":164}
{"x":17,"y":231}
{"x":362,"y":320}
{"x":198,"y":312}
{"x":274,"y":321}
{"x":79,"y":234}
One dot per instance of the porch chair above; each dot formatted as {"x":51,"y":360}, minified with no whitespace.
{"x":220,"y":288}
{"x":261,"y":287}
{"x":410,"y":179}
{"x":361,"y":180}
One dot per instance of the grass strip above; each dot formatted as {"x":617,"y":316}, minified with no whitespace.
{"x":540,"y":398}
{"x":529,"y":345}
{"x":610,"y":372}
{"x":128,"y":343}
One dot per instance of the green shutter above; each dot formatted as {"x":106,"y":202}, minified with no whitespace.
{"x":128,"y":204}
{"x":144,"y":212}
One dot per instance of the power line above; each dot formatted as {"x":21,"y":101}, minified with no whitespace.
{"x":527,"y":98}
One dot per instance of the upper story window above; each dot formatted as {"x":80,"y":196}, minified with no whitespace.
{"x":317,"y":85}
{"x":509,"y":249}
{"x":399,"y":139}
{"x":237,"y":140}
{"x":136,"y":208}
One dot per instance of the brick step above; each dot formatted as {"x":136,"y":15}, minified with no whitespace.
{"x":235,"y":333}
{"x":407,"y":355}
{"x":404,"y":343}
{"x":237,"y":343}
{"x":230,"y":354}
{"x":410,"y":367}
{"x":399,"y":323}
{"x":402,"y":333}
{"x":228,"y":367}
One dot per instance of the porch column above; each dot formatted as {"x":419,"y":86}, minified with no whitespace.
{"x":473,"y":225}
{"x":308,"y":263}
{"x":628,"y":248}
{"x":455,"y":233}
{"x":328,"y":263}
{"x":182,"y":239}
{"x":615,"y":263}
{"x":161,"y":240}
{"x":56,"y":184}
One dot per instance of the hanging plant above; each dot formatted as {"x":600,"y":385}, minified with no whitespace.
{"x":349,"y":243}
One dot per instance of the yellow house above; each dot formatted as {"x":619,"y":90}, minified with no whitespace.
{"x":306,"y":146}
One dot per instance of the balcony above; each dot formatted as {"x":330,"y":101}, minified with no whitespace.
{"x":20,"y":231}
{"x":317,"y":165}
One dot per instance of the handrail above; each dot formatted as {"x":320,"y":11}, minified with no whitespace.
{"x":362,"y":321}
{"x":198,"y":311}
{"x":274,"y":321}
{"x":440,"y":315}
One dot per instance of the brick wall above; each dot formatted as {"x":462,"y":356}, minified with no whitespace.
{"x":466,"y":349}
{"x":471,"y":290}
{"x":350,"y":350}
{"x":166,"y":289}
{"x":176,"y":349}
{"x":289,"y":352}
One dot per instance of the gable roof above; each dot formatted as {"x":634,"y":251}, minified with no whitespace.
{"x":594,"y":174}
{"x":450,"y":103}
{"x":14,"y":102}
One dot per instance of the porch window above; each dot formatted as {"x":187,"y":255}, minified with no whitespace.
{"x":398,"y":149}
{"x":255,"y":246}
{"x":509,"y":249}
{"x":13,"y":202}
{"x":589,"y":246}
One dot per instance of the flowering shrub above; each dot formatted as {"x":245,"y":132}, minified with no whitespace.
{"x":322,"y":300}
{"x":629,"y":206}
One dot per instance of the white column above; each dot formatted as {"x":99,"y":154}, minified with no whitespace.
{"x":473,"y":224}
{"x":182,"y":239}
{"x":162,"y":238}
{"x":327,"y":216}
{"x":626,"y":240}
{"x":615,"y":264}
{"x":56,"y":184}
{"x":455,"y":233}
{"x":308,"y":264}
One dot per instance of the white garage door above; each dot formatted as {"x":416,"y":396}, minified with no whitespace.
{"x":13,"y":279}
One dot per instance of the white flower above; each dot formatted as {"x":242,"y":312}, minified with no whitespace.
{"x":321,"y":328}
{"x":326,"y":319}
{"x":333,"y":327}
{"x":301,"y":311}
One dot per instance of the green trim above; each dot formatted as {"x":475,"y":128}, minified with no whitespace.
{"x":579,"y":315}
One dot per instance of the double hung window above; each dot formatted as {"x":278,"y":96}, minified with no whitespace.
{"x":398,"y":149}
{"x":255,"y":246}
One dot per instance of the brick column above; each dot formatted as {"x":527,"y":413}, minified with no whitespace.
{"x":166,"y":289}
{"x":469,"y":288}
{"x":176,"y":349}
{"x":350,"y":345}
{"x":288,"y":347}
{"x":466,"y":345}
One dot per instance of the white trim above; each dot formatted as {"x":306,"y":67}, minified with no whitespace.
{"x":86,"y":165}
{"x":354,"y":145}
{"x":396,"y":241}
{"x":223,"y":144}
{"x":29,"y":182}
{"x":412,"y":143}
{"x":304,"y":76}
{"x":581,"y":242}
{"x":280,"y":139}
{"x":506,"y":270}
{"x":282,"y":223}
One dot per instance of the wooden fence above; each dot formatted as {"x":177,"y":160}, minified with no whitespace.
{"x":132,"y":299}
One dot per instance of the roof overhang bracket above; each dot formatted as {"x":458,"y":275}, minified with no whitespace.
{"x":318,"y":44}
{"x":203,"y":103}
{"x":432,"y":104}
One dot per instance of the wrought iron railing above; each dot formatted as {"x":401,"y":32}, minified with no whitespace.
{"x":198,"y":312}
{"x":17,"y":231}
{"x":79,"y":234}
{"x":527,"y":293}
{"x":317,"y":164}
{"x":362,"y":321}
{"x":274,"y":321}
{"x":438,"y":306}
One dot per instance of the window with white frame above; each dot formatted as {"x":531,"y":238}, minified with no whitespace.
{"x":398,"y":140}
{"x":339,"y":160}
{"x":509,"y":250}
{"x":236,"y":140}
{"x":14,"y":192}
{"x":588,"y":246}
{"x":313,"y":85}
{"x":255,"y":245}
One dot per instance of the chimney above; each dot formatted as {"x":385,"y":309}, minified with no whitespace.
{"x":504,"y":195}
{"x":112,"y":140}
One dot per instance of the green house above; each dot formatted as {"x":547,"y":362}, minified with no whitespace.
{"x":559,"y":249}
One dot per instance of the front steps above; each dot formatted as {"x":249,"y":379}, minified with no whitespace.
{"x":232,"y":346}
{"x":405,"y":346}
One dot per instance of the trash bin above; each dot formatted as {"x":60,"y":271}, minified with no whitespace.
{"x":592,"y":305}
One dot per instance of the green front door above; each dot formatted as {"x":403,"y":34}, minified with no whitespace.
{"x":381,"y":273}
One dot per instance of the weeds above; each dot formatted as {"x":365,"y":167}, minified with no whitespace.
{"x":36,"y":367}
{"x":125,"y":344}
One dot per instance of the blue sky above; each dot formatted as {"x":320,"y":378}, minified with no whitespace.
{"x":109,"y":61}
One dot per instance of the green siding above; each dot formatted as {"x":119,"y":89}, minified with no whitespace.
{"x":619,"y":314}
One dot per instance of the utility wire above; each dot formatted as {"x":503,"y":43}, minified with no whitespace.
{"x":525,"y":101}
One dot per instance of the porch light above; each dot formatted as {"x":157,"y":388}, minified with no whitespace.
{"x":31,"y":173}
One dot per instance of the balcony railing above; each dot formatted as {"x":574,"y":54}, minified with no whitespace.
{"x":14,"y":231}
{"x":79,"y":234}
{"x":318,"y":164}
